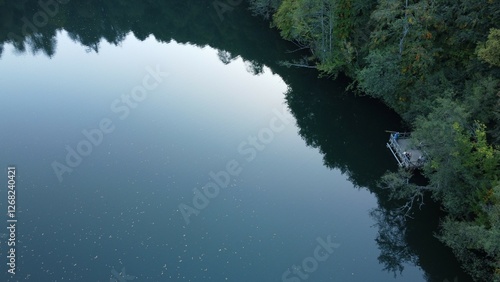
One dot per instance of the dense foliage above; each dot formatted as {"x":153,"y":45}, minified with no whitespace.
{"x":437,"y":64}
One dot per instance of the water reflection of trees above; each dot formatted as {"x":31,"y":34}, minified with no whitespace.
{"x":391,"y":239}
{"x":350,"y":134}
{"x":348,"y":131}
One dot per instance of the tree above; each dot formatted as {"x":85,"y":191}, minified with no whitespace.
{"x":323,"y":26}
{"x":472,"y":242}
{"x":400,"y":188}
{"x":464,"y":175}
{"x":462,"y":164}
{"x":382,"y":77}
{"x":481,"y":97}
{"x":264,"y":8}
{"x":490,"y":50}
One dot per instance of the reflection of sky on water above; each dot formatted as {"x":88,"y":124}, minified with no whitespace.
{"x":119,"y":207}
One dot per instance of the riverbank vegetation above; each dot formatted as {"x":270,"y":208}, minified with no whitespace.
{"x":436,"y":63}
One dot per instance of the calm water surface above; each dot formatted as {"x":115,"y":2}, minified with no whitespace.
{"x":156,"y":161}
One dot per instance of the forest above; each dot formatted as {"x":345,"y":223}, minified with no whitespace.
{"x":437,"y":64}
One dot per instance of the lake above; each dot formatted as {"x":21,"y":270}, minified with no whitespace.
{"x":165,"y":142}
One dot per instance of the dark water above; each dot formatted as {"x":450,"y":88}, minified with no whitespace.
{"x":163,"y":142}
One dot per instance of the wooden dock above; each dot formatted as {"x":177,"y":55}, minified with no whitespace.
{"x":405,"y":153}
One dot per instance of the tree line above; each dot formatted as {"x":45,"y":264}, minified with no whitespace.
{"x":437,"y":64}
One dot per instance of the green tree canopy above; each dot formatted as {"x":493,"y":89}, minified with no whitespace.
{"x":490,"y":50}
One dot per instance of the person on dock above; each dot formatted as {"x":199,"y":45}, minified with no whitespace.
{"x":407,"y":154}
{"x":396,"y":136}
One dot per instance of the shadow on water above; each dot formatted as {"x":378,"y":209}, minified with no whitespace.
{"x":349,"y":131}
